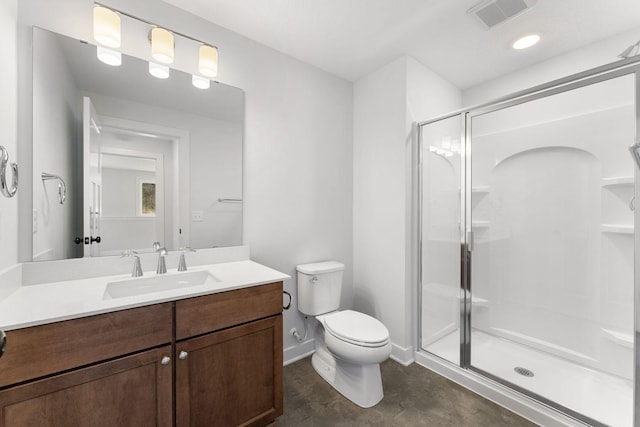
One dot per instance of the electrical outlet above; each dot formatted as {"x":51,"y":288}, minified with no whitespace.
{"x":35,"y":221}
{"x":197,"y":216}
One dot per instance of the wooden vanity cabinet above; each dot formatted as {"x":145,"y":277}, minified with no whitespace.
{"x":130,"y":391}
{"x":111,"y":369}
{"x":229,"y":358}
{"x":220,"y":355}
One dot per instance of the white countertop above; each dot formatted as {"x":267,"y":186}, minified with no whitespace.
{"x":37,"y":304}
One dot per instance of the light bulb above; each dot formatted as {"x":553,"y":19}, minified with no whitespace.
{"x":162,"y":45}
{"x":109,"y":56}
{"x":208,"y":61}
{"x":200,"y":82}
{"x":106,"y":27}
{"x":158,"y":70}
{"x":526,"y":41}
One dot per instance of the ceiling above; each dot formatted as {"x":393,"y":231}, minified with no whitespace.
{"x":351,"y":38}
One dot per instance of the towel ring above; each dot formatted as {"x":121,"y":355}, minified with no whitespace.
{"x":4,"y":159}
{"x":288,"y":305}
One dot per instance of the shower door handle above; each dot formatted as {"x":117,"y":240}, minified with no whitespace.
{"x":635,"y":153}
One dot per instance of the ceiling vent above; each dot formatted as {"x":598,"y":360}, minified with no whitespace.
{"x":493,"y":12}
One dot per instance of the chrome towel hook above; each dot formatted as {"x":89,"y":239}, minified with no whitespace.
{"x":62,"y":187}
{"x":4,"y":160}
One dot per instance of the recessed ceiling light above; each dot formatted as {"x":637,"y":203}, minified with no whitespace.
{"x":526,"y":41}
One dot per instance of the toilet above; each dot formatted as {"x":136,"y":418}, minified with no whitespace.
{"x":349,"y":346}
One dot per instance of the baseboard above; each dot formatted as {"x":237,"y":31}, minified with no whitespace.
{"x":402,"y":355}
{"x":520,"y":404}
{"x":299,"y":351}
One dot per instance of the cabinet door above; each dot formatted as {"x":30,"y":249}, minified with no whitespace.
{"x":131,"y":391}
{"x":232,"y":377}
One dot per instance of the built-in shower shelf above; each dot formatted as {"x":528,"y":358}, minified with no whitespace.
{"x":480,"y":189}
{"x":451,"y":291}
{"x":480,"y":224}
{"x":479,"y":302}
{"x":617,"y":228}
{"x":618,"y":180}
{"x":622,"y":338}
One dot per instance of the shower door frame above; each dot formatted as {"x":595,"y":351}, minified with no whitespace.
{"x":596,"y":75}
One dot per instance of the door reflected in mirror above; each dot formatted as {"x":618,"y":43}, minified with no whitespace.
{"x":144,"y":159}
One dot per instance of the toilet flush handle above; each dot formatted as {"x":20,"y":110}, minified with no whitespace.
{"x":314,"y":279}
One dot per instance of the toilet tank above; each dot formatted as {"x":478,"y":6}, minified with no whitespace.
{"x":319,"y":287}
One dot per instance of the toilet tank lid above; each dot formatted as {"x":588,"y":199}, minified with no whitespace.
{"x":320,"y":267}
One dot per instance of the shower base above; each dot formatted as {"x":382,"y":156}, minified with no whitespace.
{"x":597,"y":395}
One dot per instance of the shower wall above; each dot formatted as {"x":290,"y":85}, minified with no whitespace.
{"x":553,"y":239}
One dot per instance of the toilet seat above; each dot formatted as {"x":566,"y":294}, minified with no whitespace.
{"x":356,"y":328}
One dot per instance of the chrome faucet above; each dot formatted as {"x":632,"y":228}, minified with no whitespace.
{"x":182,"y":265}
{"x":137,"y":268}
{"x":162,"y":265}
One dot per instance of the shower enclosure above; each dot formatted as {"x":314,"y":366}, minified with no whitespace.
{"x":528,"y":207}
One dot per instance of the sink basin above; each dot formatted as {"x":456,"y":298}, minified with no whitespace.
{"x":160,"y":283}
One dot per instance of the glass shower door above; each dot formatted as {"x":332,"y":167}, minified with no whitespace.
{"x":551,"y":209}
{"x":441,"y":238}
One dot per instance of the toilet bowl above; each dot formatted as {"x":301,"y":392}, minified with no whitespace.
{"x":349,"y":345}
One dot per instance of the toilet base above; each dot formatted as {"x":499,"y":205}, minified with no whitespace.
{"x":361,"y":384}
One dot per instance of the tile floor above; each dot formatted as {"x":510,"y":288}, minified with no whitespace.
{"x":414,"y":396}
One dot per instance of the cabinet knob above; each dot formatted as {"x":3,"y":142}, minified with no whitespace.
{"x":165,"y":360}
{"x":3,"y":342}
{"x":183,"y":355}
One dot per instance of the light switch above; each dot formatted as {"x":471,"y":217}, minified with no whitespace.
{"x":197,"y":216}
{"x":35,"y":221}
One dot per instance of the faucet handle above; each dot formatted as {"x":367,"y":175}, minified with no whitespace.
{"x":182,"y":265}
{"x":128,"y":252}
{"x":156,"y":246}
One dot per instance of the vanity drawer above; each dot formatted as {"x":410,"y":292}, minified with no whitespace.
{"x":42,"y":350}
{"x":196,"y":316}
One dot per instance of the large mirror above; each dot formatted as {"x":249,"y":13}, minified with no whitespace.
{"x":122,"y":159}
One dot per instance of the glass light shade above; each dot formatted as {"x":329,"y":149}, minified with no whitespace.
{"x":526,"y":41}
{"x":106,"y":27}
{"x":200,"y":82}
{"x":109,"y":56}
{"x":158,"y":70}
{"x":208,"y":61}
{"x":162,"y":45}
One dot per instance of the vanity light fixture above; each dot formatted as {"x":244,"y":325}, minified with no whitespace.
{"x":107,"y":33}
{"x":200,"y":82}
{"x":525,"y":42}
{"x":162,"y":45}
{"x":208,"y":61}
{"x":158,"y":70}
{"x":106,"y":26}
{"x":109,"y":56}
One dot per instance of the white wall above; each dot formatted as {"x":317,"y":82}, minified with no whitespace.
{"x":379,"y":197}
{"x":386,"y":103}
{"x":8,"y":128}
{"x":298,"y":138}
